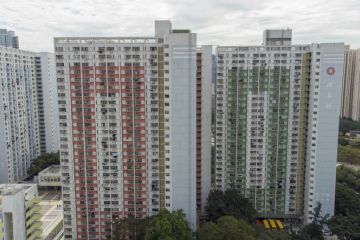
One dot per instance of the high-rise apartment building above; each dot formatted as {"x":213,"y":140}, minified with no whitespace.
{"x":127,"y":109}
{"x":8,"y":39}
{"x":47,"y":102}
{"x":350,"y":95}
{"x":19,"y":212}
{"x":203,"y":124}
{"x":277,"y":108}
{"x":19,"y":131}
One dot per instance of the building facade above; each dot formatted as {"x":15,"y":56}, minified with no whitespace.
{"x":19,"y":132}
{"x":127,"y":109}
{"x":19,"y":212}
{"x":50,"y":177}
{"x":203,"y":125}
{"x":350,"y":95}
{"x":47,"y":102}
{"x":277,"y":109}
{"x":8,"y":39}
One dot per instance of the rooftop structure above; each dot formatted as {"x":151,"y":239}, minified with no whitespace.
{"x":50,"y":177}
{"x":19,"y":212}
{"x":277,"y":37}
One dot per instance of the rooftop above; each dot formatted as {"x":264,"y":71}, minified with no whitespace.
{"x":10,"y":189}
{"x":51,"y":169}
{"x":181,"y":31}
{"x":51,"y":210}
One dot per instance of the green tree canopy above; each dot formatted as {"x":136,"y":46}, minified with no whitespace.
{"x":229,"y":203}
{"x":210,"y":231}
{"x":227,"y":228}
{"x":309,"y":232}
{"x":43,"y":161}
{"x":130,"y":228}
{"x":346,"y":227}
{"x":348,"y":177}
{"x":348,"y":154}
{"x":168,"y":226}
{"x":314,"y":230}
{"x":346,"y":124}
{"x":346,"y":222}
{"x":342,"y":139}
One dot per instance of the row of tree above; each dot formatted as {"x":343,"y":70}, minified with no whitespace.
{"x":165,"y":225}
{"x":229,"y":217}
{"x":346,"y":222}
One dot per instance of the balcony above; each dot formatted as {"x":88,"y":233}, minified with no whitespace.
{"x":32,"y":210}
{"x":33,"y":201}
{"x":35,"y":235}
{"x":32,"y":219}
{"x":35,"y":226}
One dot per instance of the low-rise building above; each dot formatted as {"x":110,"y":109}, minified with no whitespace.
{"x":19,"y":212}
{"x":50,"y":177}
{"x":27,"y":214}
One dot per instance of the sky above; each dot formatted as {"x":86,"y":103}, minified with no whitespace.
{"x":217,"y":22}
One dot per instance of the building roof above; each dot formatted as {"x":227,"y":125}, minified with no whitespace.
{"x":51,"y":170}
{"x":51,"y":211}
{"x":10,"y":189}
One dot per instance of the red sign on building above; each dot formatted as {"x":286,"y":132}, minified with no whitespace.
{"x":330,"y":71}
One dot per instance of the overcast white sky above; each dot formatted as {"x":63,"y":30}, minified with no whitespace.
{"x":217,"y":22}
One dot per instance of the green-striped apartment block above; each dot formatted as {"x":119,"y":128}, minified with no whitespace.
{"x":268,"y":102}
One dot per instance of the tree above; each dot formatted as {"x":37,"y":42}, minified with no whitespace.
{"x":264,"y":234}
{"x":345,"y":223}
{"x":227,"y":228}
{"x":309,"y":232}
{"x":215,"y":207}
{"x":348,"y":154}
{"x":347,"y":201}
{"x":346,"y":124}
{"x":235,"y":229}
{"x":209,"y":231}
{"x":348,"y":177}
{"x":314,"y":230}
{"x":345,"y":227}
{"x":342,"y":140}
{"x":43,"y":161}
{"x":130,"y":228}
{"x":318,"y":219}
{"x":229,"y":203}
{"x":168,"y":226}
